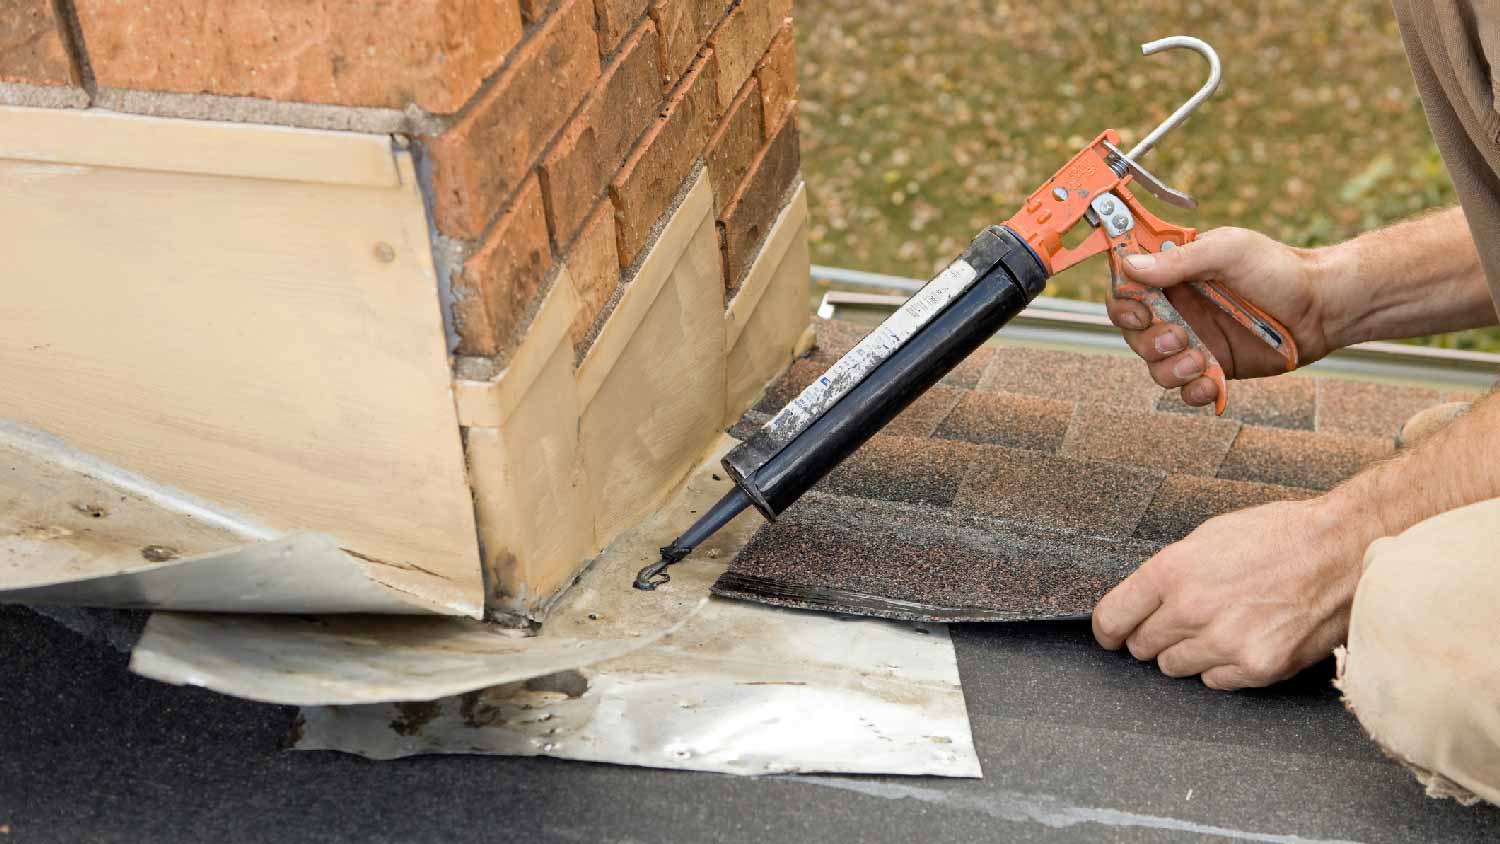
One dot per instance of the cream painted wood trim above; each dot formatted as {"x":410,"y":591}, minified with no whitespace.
{"x":107,"y":139}
{"x":275,"y":347}
{"x":641,"y":292}
{"x":742,"y":306}
{"x":486,"y":404}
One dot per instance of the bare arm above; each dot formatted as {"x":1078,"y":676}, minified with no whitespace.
{"x":1253,"y":597}
{"x":1456,"y":466}
{"x":1421,"y":276}
{"x":1416,"y":277}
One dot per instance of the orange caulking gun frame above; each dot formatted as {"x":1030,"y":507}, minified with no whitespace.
{"x":1093,"y":188}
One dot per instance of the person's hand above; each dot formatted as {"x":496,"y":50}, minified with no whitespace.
{"x":1248,"y":599}
{"x":1277,"y":278}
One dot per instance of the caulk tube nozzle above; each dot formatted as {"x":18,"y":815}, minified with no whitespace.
{"x":732,"y":504}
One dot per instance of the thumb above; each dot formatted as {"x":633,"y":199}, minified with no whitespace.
{"x":1201,"y":260}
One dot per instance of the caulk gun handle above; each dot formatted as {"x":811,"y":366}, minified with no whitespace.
{"x":1149,"y":234}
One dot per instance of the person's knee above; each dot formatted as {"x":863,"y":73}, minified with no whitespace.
{"x":1422,"y":667}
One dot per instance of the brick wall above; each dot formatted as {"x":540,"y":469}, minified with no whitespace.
{"x":613,"y":188}
{"x":555,"y":133}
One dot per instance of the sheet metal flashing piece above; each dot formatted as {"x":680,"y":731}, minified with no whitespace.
{"x":78,"y":531}
{"x":347,"y":660}
{"x":737,"y":688}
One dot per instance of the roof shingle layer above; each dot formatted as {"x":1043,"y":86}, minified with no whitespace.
{"x":1031,"y":481}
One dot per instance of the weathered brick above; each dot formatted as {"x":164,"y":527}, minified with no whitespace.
{"x":614,"y":19}
{"x":734,"y":146}
{"x":31,"y":45}
{"x":620,"y":108}
{"x":741,"y":39}
{"x":684,"y":26}
{"x":777,"y":74}
{"x":594,"y":265}
{"x":647,"y":185}
{"x":345,"y":52}
{"x":747,"y":220}
{"x":478,"y":162}
{"x":498,"y":283}
{"x":533,"y":10}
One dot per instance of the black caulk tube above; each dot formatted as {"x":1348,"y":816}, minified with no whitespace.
{"x":1009,"y":276}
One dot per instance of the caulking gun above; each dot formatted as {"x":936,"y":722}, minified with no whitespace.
{"x":1004,"y":268}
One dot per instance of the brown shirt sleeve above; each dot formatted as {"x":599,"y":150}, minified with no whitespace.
{"x":1450,"y":44}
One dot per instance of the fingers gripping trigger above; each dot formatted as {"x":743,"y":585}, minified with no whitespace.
{"x":1161,"y":308}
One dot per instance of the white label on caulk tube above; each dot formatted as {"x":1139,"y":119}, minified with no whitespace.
{"x":878,"y":346}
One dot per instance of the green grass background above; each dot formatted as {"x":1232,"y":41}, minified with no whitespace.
{"x":926,"y":120}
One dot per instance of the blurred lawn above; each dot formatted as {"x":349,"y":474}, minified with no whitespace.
{"x":926,"y":120}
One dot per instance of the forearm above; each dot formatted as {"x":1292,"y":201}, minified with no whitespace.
{"x":1457,"y":466}
{"x":1417,"y":277}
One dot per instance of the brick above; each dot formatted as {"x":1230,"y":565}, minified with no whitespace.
{"x":480,"y":161}
{"x":594,"y":265}
{"x":777,"y":74}
{"x":741,"y":39}
{"x":577,"y":170}
{"x":614,"y":19}
{"x":733,"y":148}
{"x":748,"y":218}
{"x":533,"y":10}
{"x":684,"y":26}
{"x":498,"y":284}
{"x":31,"y":45}
{"x":341,"y":52}
{"x":648,"y":184}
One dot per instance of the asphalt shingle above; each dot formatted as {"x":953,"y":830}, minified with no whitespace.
{"x":1032,"y":466}
{"x":1183,"y":502}
{"x":1366,"y":409}
{"x":1008,"y":419}
{"x":1285,"y":401}
{"x":1169,"y":442}
{"x":1316,"y":461}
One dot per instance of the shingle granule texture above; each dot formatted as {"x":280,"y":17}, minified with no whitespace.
{"x":1371,"y":410}
{"x":971,"y":369}
{"x":1008,"y":419}
{"x":1061,"y":493}
{"x":922,"y":416}
{"x":925,"y":564}
{"x":1285,"y":401}
{"x":836,"y":337}
{"x":1299,"y":458}
{"x":1029,"y":481}
{"x":1183,"y":502}
{"x":1170,"y":442}
{"x":802,"y":372}
{"x":1071,"y":376}
{"x":910,"y":469}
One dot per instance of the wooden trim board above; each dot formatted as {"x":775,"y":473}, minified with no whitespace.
{"x":97,"y":138}
{"x":767,"y":263}
{"x":641,"y":292}
{"x":273,"y":346}
{"x":487,"y":404}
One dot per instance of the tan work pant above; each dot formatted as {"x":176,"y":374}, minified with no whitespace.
{"x":1422,"y":667}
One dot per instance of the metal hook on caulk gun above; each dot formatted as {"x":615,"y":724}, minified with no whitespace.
{"x":1215,"y":74}
{"x":1129,"y":161}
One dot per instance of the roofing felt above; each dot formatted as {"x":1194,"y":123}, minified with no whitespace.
{"x":1031,"y":481}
